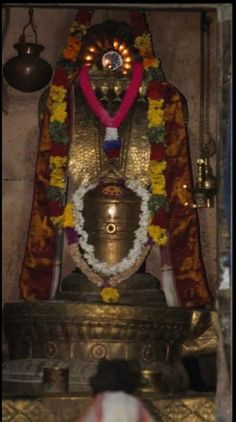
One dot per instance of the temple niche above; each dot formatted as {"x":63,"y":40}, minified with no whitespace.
{"x":116,"y":199}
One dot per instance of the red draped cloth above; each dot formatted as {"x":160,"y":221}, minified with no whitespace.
{"x":183,"y":227}
{"x":37,"y":269}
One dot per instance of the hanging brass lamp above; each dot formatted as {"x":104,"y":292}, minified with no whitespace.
{"x":28,"y":72}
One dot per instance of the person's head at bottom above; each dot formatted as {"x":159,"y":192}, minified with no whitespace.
{"x":116,"y":375}
{"x":114,"y":386}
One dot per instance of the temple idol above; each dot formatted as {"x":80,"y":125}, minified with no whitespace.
{"x":114,"y":265}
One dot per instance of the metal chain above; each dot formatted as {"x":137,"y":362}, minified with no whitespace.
{"x":208,"y":70}
{"x":32,"y":24}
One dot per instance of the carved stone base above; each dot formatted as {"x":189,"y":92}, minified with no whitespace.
{"x":185,"y":408}
{"x":140,"y":289}
{"x":55,"y":346}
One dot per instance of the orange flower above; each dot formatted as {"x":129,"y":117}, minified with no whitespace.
{"x":73,"y":42}
{"x":145,"y":52}
{"x":70,"y":54}
{"x":72,"y":49}
{"x":150,"y":62}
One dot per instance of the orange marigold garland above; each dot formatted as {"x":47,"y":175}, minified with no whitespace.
{"x":49,"y":187}
{"x":59,"y":126}
{"x":156,"y":134}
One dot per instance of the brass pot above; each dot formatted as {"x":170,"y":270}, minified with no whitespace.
{"x":111,"y":214}
{"x":27,"y":72}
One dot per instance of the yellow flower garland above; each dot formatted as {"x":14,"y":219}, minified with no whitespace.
{"x":57,"y":162}
{"x":144,"y":44}
{"x":157,"y":167}
{"x":158,"y":234}
{"x":155,"y":117}
{"x":57,"y":221}
{"x":57,"y":104}
{"x":59,"y":112}
{"x":57,"y":178}
{"x":68,"y":217}
{"x":155,"y":113}
{"x":57,"y":93}
{"x":158,"y":185}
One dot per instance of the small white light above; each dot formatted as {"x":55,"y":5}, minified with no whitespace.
{"x":111,"y":211}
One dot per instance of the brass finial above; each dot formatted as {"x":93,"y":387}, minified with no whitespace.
{"x":205,"y":187}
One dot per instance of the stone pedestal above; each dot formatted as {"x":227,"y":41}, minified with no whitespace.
{"x":63,"y":341}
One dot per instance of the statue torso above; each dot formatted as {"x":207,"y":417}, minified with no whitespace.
{"x":87,"y":161}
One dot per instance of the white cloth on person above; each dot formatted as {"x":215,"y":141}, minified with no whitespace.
{"x":116,"y":406}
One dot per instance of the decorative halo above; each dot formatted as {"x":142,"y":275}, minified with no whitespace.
{"x":110,"y":45}
{"x":112,"y":60}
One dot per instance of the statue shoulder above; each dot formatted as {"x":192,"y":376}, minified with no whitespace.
{"x":167,"y":91}
{"x":163,"y":89}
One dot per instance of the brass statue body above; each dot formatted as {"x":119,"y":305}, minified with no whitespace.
{"x":110,"y":221}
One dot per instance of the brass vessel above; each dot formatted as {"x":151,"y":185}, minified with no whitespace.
{"x":111,"y":213}
{"x":27,"y":72}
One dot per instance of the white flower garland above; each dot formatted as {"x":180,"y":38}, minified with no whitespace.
{"x":98,"y":280}
{"x":141,"y":235}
